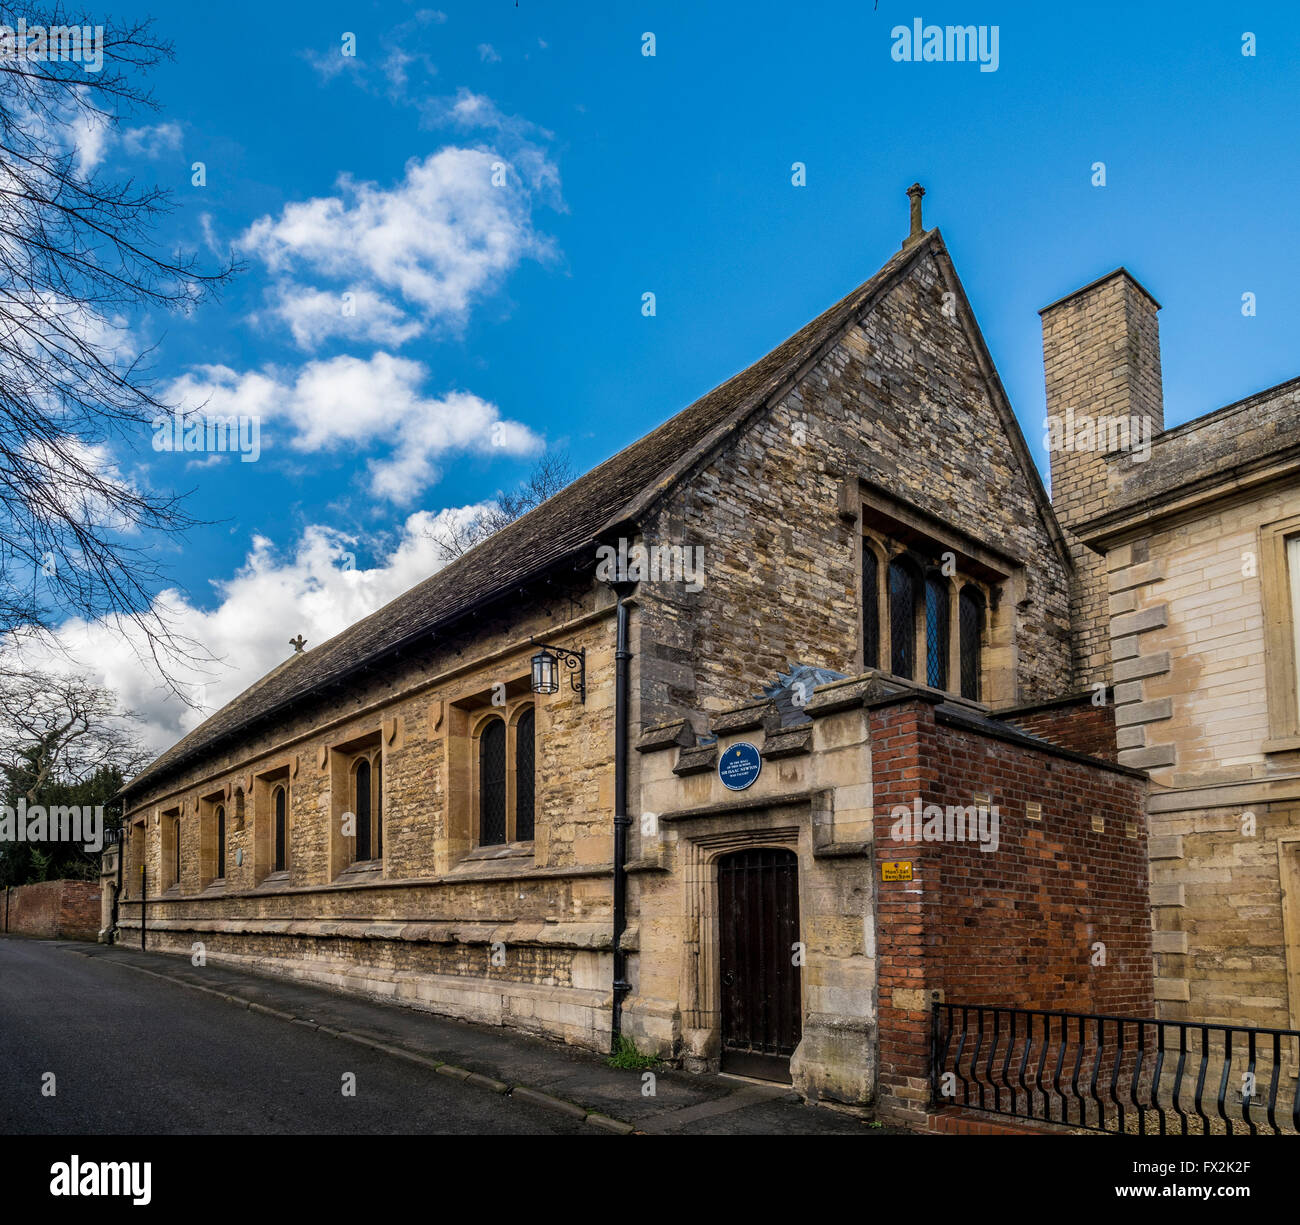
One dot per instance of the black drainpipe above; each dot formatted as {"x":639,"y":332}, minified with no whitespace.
{"x":117,"y":893}
{"x":143,"y":883}
{"x":621,"y":818}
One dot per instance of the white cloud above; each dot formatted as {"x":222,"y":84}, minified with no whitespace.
{"x":393,"y":51}
{"x":441,"y":238}
{"x":363,"y":404}
{"x":91,"y":137}
{"x":40,"y":322}
{"x":270,"y":599}
{"x":467,"y":109}
{"x":328,"y":64}
{"x":80,"y":482}
{"x":88,"y":135}
{"x":314,"y":316}
{"x":154,"y":141}
{"x":488,"y":53}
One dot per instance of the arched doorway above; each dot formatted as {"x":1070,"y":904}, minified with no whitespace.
{"x":758,"y":935}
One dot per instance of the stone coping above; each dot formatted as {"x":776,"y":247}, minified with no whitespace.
{"x":750,"y":717}
{"x":1013,"y":735}
{"x":696,"y":759}
{"x":789,"y":742}
{"x":676,"y":732}
{"x":870,"y":690}
{"x":1083,"y":697}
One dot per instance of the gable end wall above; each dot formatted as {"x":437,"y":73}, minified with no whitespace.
{"x":900,"y":401}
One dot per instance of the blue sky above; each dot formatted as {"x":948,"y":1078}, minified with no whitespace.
{"x":627,"y":174}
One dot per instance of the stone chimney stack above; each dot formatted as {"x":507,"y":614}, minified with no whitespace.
{"x":1101,"y":361}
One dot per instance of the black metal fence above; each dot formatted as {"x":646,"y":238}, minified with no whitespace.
{"x":1129,"y":1075}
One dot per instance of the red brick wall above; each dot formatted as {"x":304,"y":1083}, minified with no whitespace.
{"x":1078,"y":725}
{"x":54,"y":909}
{"x":1015,"y":926}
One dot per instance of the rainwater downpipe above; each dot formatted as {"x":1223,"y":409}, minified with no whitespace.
{"x":622,"y":821}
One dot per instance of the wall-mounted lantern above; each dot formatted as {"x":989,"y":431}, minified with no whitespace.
{"x":546,"y":669}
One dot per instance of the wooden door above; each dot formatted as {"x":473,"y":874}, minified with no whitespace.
{"x":758,"y":916}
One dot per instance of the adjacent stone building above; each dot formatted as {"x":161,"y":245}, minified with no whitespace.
{"x":810,"y":743}
{"x":1194,"y":538}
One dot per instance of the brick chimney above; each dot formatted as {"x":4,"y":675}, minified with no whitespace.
{"x":1101,"y":362}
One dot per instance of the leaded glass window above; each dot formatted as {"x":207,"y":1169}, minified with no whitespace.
{"x":970,"y":614}
{"x":524,"y":778}
{"x":936,"y":631}
{"x":492,"y":784}
{"x":281,"y":831}
{"x":902,"y":619}
{"x":870,"y":608}
{"x":361,"y":809}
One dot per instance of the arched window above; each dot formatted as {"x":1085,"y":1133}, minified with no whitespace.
{"x":176,"y":851}
{"x":524,"y":776}
{"x":492,"y":783}
{"x":132,"y":880}
{"x":870,"y":607}
{"x":936,"y":630}
{"x":902,"y":618}
{"x":970,"y":624}
{"x":379,"y":807}
{"x":361,"y":808}
{"x":281,"y":831}
{"x":221,"y":841}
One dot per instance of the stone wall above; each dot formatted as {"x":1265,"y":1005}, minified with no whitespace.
{"x":538,"y":978}
{"x":1196,"y":683}
{"x":813,"y":797}
{"x":519,"y":933}
{"x":54,"y":910}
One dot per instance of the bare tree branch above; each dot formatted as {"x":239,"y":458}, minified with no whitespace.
{"x":551,"y":474}
{"x":79,"y":261}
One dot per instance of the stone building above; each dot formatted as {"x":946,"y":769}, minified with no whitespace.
{"x":1193,"y":594}
{"x":642,"y":829}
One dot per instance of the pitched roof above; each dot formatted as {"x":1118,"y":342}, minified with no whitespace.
{"x":616,"y":493}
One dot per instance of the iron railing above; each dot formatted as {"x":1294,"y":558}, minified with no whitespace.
{"x":1105,"y":1073}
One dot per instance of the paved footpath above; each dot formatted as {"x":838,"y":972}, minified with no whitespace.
{"x":145,"y":1043}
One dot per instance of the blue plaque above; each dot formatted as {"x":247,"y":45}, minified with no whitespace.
{"x":739,"y":766}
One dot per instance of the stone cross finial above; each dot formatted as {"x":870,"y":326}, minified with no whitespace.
{"x":298,"y":643}
{"x":914,"y":194}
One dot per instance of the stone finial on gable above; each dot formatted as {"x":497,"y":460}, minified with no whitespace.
{"x":917,"y":232}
